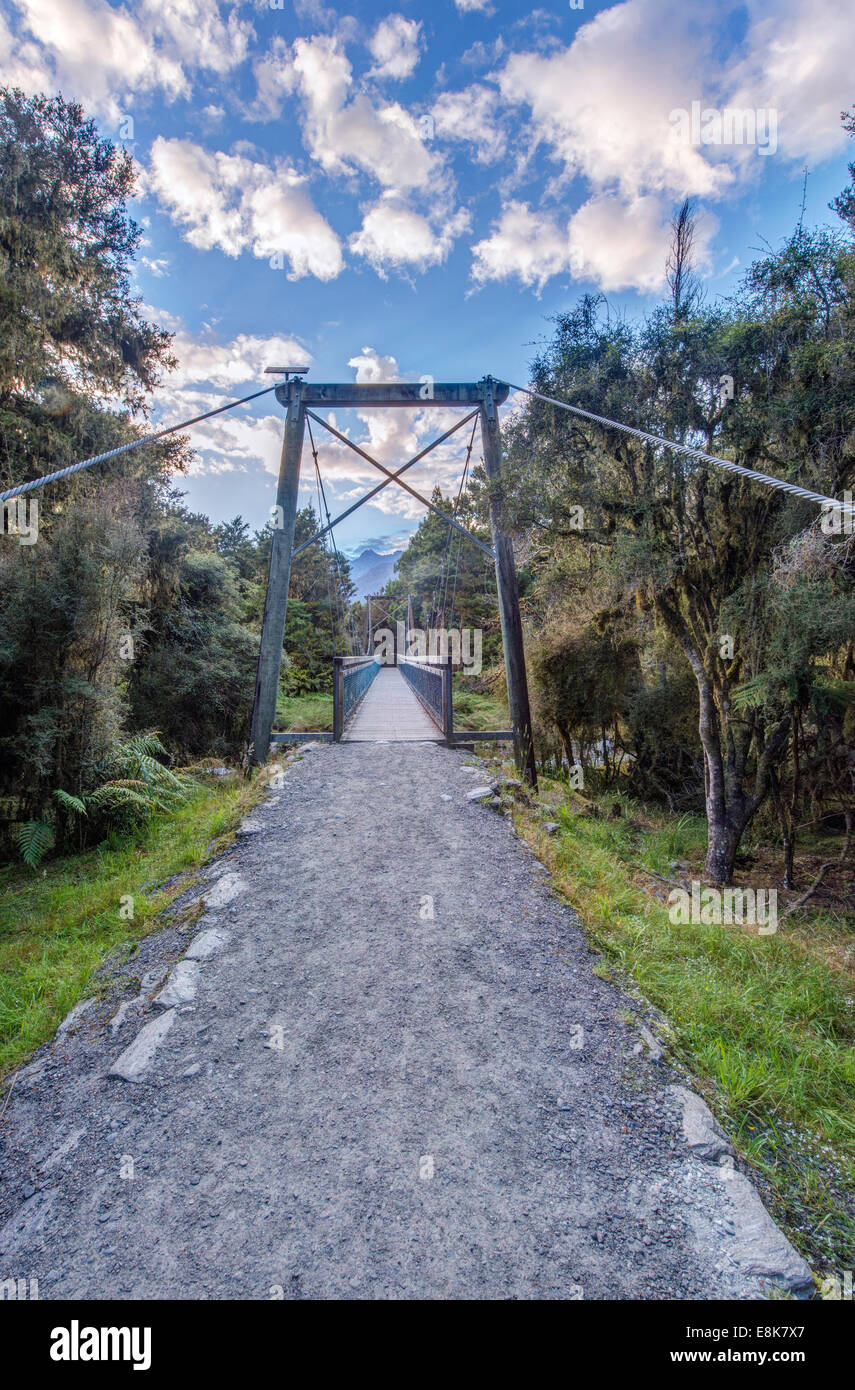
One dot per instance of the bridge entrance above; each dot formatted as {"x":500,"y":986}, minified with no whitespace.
{"x":414,"y":690}
{"x":391,"y":712}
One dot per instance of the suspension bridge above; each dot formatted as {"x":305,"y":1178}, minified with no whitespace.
{"x":411,"y":697}
{"x":414,"y":698}
{"x":374,"y":1072}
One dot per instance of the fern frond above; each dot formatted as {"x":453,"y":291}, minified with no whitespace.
{"x":74,"y":804}
{"x":113,"y":797}
{"x":750,"y":694}
{"x":35,"y":838}
{"x":142,"y":746}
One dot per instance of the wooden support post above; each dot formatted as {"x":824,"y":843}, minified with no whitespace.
{"x":278,"y":577}
{"x":509,"y":601}
{"x":338,"y":698}
{"x":448,"y":703}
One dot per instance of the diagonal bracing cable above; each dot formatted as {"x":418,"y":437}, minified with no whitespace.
{"x":764,"y":478}
{"x":442,"y":574}
{"x":327,"y":575}
{"x":324,"y":511}
{"x":396,"y":478}
{"x":391,"y":478}
{"x":459,"y":538}
{"x":126,"y":448}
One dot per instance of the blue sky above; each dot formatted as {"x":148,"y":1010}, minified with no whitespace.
{"x":386,"y":191}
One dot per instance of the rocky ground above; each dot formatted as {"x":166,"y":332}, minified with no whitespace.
{"x":378,"y":1065}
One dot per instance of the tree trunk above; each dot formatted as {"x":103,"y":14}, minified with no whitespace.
{"x":723,"y":841}
{"x":724,"y":833}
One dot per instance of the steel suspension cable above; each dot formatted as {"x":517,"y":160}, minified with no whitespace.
{"x":441,"y":582}
{"x":330,"y":580}
{"x":126,"y":448}
{"x":336,"y":555}
{"x":459,"y":538}
{"x":699,"y":454}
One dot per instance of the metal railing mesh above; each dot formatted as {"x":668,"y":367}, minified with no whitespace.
{"x":356,"y":676}
{"x":426,"y":679}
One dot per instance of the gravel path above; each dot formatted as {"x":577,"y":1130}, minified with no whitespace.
{"x":385,"y":1070}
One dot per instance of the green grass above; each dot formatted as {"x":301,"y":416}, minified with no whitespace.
{"x":300,"y":714}
{"x":766,"y":1023}
{"x":477,"y":711}
{"x":58,"y":923}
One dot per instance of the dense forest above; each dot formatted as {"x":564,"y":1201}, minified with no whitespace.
{"x":701,"y":622}
{"x":690,"y":634}
{"x":130,"y":614}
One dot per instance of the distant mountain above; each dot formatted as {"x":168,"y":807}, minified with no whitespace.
{"x":365,"y":561}
{"x":370,"y":571}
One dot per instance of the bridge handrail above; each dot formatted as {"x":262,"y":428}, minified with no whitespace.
{"x":429,"y":678}
{"x":352,"y":675}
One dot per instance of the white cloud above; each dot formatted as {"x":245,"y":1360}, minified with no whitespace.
{"x":158,"y":267}
{"x":273,"y":82}
{"x":350,"y":134}
{"x":470,"y":6}
{"x":471,"y":115}
{"x":799,"y":62}
{"x":105,"y":55}
{"x":346,"y":132}
{"x":196,"y":33}
{"x":394,"y":46}
{"x":393,"y":235}
{"x":525,"y":245}
{"x":613,"y":243}
{"x":100,"y":54}
{"x":234,"y":441}
{"x":24,"y":64}
{"x":393,"y":436}
{"x":162,"y":317}
{"x":212,"y":117}
{"x":370,"y":367}
{"x":232,"y":364}
{"x":602,"y":104}
{"x":620,"y":245}
{"x":236,"y":204}
{"x":211,"y":373}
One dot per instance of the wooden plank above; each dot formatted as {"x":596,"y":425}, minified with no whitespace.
{"x":352,"y":394}
{"x":484,"y":735}
{"x":390,"y":713}
{"x":306,"y":737}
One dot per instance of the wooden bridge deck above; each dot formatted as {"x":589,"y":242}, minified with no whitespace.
{"x":390,"y":711}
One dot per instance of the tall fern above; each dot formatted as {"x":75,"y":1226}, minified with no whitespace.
{"x":35,"y":838}
{"x":121,"y":803}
